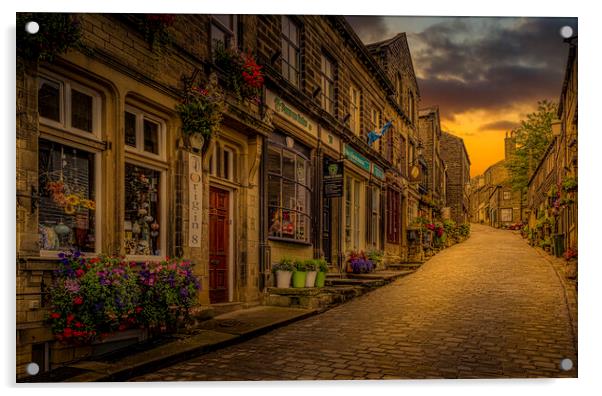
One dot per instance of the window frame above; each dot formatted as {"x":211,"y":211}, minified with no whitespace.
{"x":141,"y":115}
{"x":66,"y":85}
{"x":327,"y":81}
{"x":355,"y":109}
{"x":354,"y":199}
{"x":306,"y":187}
{"x":285,"y":61}
{"x":393,"y":216}
{"x":506,"y":211}
{"x":162,"y":197}
{"x":231,"y":41}
{"x":376,"y":122}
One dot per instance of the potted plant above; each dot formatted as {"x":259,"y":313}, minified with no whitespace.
{"x":376,"y":257}
{"x":311,"y":267}
{"x":284,"y":272}
{"x":358,"y":263}
{"x":322,"y":270}
{"x":300,"y":274}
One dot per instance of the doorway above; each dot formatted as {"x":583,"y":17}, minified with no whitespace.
{"x":219,"y":238}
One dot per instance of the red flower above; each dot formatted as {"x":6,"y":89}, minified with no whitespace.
{"x":122,"y":327}
{"x":79,"y":273}
{"x":55,"y":315}
{"x":67,"y":332}
{"x":78,"y":300}
{"x":79,"y":325}
{"x":138,"y":309}
{"x":70,"y":318}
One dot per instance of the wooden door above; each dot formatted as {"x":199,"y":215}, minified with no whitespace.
{"x":219,"y":239}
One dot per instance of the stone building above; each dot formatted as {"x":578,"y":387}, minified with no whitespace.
{"x":431,"y":136}
{"x":102,"y":118}
{"x":457,"y":164}
{"x":401,"y":147}
{"x":552,"y":188}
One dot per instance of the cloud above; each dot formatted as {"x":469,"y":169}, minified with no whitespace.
{"x":369,"y":28}
{"x":503,"y":125}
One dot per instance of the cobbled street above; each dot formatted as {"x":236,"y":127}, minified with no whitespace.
{"x":486,"y":308}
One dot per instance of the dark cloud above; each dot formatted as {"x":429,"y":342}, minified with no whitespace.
{"x":369,"y":28}
{"x":481,"y":63}
{"x":490,"y":63}
{"x":503,"y":125}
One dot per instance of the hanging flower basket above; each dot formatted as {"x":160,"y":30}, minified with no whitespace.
{"x":240,"y":72}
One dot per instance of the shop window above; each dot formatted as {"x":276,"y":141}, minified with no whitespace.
{"x":327,"y":84}
{"x":143,"y":133}
{"x":67,"y":207}
{"x":353,"y":189}
{"x":290,"y":50}
{"x":393,"y":216}
{"x":354,"y":109}
{"x":288,"y":194}
{"x":142,"y":211}
{"x":69,"y":106}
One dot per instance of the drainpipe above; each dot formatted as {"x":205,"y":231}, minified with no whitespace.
{"x":264,"y":248}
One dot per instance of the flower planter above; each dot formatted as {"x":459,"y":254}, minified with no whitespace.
{"x":320,"y":279}
{"x":299,"y":278}
{"x":283,"y":279}
{"x":310,"y":279}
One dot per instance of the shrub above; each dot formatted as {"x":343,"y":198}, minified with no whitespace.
{"x":95,"y":296}
{"x":285,"y":264}
{"x":300,"y":266}
{"x":322,"y":265}
{"x":311,"y":265}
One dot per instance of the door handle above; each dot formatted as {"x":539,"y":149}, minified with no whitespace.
{"x":214,"y":262}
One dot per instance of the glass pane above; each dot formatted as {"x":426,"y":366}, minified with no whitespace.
{"x":141,"y":211}
{"x":67,"y":200}
{"x":226,"y":165}
{"x":226,"y":20}
{"x":301,"y":172}
{"x":49,"y":100}
{"x":288,"y":195}
{"x":217,"y":35}
{"x":273,"y":160}
{"x":302,"y":199}
{"x":288,"y":224}
{"x":294,"y":33}
{"x":81,"y":111}
{"x":130,"y":129}
{"x":302,"y":233}
{"x":151,"y":137}
{"x":275,"y":221}
{"x":274,"y":191}
{"x":285,"y":26}
{"x":288,"y":164}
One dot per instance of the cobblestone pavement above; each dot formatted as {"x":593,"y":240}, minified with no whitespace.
{"x":489,"y":307}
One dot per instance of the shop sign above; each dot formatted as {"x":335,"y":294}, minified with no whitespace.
{"x":287,"y":111}
{"x":333,"y":178}
{"x":415,"y":174}
{"x":378,"y":172}
{"x":357,"y":158}
{"x":195,"y":200}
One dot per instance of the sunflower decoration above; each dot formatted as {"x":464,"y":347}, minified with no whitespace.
{"x":73,"y":200}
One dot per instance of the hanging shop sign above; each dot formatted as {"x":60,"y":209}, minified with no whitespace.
{"x":290,"y":113}
{"x":357,"y":158}
{"x":333,"y":178}
{"x":415,"y":174}
{"x":378,"y":172}
{"x":195,"y":199}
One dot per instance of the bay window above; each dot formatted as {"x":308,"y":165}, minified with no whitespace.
{"x":289,"y":192}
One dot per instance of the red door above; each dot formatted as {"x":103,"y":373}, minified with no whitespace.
{"x":218,"y":245}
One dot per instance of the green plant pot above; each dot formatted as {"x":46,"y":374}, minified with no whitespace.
{"x":320,"y":278}
{"x":299,"y":278}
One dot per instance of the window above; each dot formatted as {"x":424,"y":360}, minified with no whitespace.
{"x":399,"y":88}
{"x":221,"y":163}
{"x":507,"y":195}
{"x":142,"y":211}
{"x":67,"y":205}
{"x":354,"y":109}
{"x":223,"y":28}
{"x":327,"y":85}
{"x":143,"y":133}
{"x":353,"y":193}
{"x":290,"y":50}
{"x":69,"y":106}
{"x":506,"y":215}
{"x":393,"y":216}
{"x":374,"y":216}
{"x":289,"y":192}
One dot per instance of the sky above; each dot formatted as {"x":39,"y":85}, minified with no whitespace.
{"x":485,"y":74}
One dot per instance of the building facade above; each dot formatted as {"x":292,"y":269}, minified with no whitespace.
{"x":458,"y":170}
